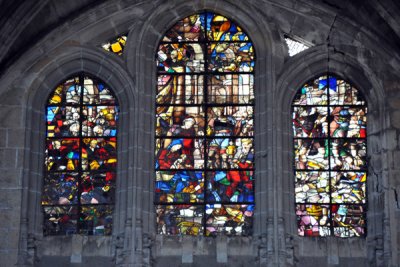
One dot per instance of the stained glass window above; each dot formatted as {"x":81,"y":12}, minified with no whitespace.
{"x":329,"y":128}
{"x":116,"y":45}
{"x":80,"y":158}
{"x":204,"y":147}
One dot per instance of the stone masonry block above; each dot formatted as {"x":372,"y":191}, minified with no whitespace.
{"x":390,"y":141}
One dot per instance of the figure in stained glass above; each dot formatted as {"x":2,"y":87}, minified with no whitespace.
{"x":204,"y":128}
{"x":329,"y":127}
{"x":80,"y":158}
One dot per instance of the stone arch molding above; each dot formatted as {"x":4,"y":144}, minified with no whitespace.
{"x":43,"y":77}
{"x":297,"y":71}
{"x":140,"y":58}
{"x":132,"y":242}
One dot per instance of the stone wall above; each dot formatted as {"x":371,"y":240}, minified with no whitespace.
{"x":44,"y":42}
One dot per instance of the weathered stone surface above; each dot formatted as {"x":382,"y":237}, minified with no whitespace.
{"x":44,"y":42}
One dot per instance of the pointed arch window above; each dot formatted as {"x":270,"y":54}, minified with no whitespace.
{"x":204,"y":144}
{"x":329,"y":127}
{"x":80,"y":158}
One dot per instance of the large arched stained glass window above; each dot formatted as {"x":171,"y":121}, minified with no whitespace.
{"x":80,"y":159}
{"x":329,"y":123}
{"x":204,"y":128}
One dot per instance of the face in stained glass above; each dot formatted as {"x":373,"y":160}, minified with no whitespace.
{"x":189,"y":29}
{"x":180,"y":121}
{"x":230,"y":57}
{"x":99,"y":154}
{"x":310,"y":121}
{"x":180,"y":58}
{"x":80,"y":158}
{"x":63,"y":121}
{"x":348,"y":122}
{"x":99,"y":121}
{"x":179,"y":153}
{"x":220,"y":28}
{"x":204,"y":128}
{"x":230,"y":121}
{"x":329,"y":126}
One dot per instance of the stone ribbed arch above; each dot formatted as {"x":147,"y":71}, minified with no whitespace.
{"x":140,"y":57}
{"x":298,"y":70}
{"x":41,"y":79}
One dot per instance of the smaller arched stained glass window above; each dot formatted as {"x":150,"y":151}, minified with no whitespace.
{"x":329,"y":127}
{"x":80,"y":158}
{"x":204,"y":129}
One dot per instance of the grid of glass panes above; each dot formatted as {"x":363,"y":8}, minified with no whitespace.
{"x":329,"y":127}
{"x":204,"y":129}
{"x":80,"y":158}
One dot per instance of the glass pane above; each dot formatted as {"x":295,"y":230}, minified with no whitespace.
{"x":230,"y":57}
{"x":230,"y":186}
{"x":348,"y":154}
{"x":310,"y":121}
{"x":220,"y":28}
{"x":312,"y":187}
{"x":348,"y":220}
{"x":204,"y":121}
{"x":311,"y":154}
{"x":95,"y":92}
{"x":180,"y":121}
{"x":116,"y":46}
{"x":100,"y":121}
{"x":97,"y":188}
{"x":60,"y":220}
{"x":99,"y":154}
{"x":180,"y":89}
{"x":224,"y":153}
{"x":343,"y":93}
{"x":231,"y":89}
{"x":313,"y":93}
{"x":188,"y":29}
{"x":60,"y":189}
{"x":179,"y":57}
{"x":179,"y":187}
{"x":231,"y":220}
{"x":63,"y":121}
{"x":230,"y":121}
{"x":313,"y":220}
{"x":96,"y":220}
{"x":180,"y":153}
{"x":72,"y":91}
{"x":348,"y":122}
{"x":348,"y":187}
{"x":179,"y":220}
{"x":62,"y":154}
